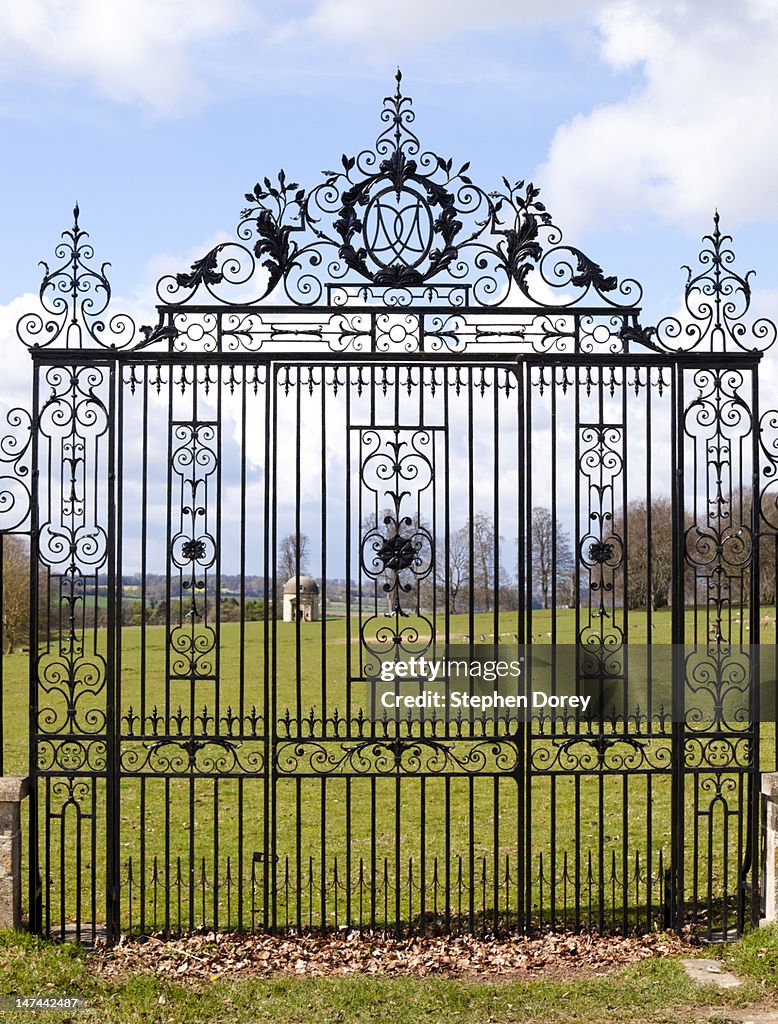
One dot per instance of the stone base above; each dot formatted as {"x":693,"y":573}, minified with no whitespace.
{"x":770,"y":878}
{"x":13,"y":790}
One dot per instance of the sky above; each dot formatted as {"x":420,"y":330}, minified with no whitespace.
{"x":637,"y":118}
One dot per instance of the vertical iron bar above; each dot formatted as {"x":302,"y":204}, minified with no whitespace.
{"x":521,"y":726}
{"x":36,"y":895}
{"x":113,"y":650}
{"x":677,"y":629}
{"x":754,"y":799}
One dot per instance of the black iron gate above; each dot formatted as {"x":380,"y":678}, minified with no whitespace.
{"x":431,"y":423}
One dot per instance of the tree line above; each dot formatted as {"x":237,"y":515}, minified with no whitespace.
{"x":471,"y":570}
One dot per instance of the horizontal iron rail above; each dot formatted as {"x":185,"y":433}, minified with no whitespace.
{"x":57,"y":357}
{"x":400,"y":310}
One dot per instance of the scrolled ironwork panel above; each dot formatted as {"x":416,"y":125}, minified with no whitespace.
{"x":73,"y":739}
{"x":193,"y":547}
{"x":399,"y":755}
{"x":214,"y":756}
{"x":719,"y":676}
{"x":397,"y":549}
{"x":16,"y":517}
{"x":73,"y":544}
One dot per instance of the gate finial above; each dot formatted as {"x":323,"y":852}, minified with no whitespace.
{"x":397,"y":98}
{"x":74,"y":296}
{"x":717,"y":300}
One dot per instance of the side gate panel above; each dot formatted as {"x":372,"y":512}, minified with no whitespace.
{"x":716,"y":812}
{"x":72,"y":751}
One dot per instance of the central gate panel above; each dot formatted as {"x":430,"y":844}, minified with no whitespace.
{"x":403,"y":480}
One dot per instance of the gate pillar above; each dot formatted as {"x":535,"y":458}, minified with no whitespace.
{"x":769,"y":848}
{"x":12,"y":791}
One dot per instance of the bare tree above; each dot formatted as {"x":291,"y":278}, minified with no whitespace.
{"x":452,"y":575}
{"x":481,"y":527}
{"x":648,"y":534}
{"x":552,"y":556}
{"x":16,"y":592}
{"x":293,"y":556}
{"x":466,"y":567}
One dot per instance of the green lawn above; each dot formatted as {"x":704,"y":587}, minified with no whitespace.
{"x":193,"y":847}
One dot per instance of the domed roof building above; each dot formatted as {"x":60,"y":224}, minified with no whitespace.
{"x":308,"y":608}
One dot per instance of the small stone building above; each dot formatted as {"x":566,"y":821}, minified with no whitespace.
{"x":308,"y":590}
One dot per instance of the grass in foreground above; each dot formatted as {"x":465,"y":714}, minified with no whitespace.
{"x":656,"y":990}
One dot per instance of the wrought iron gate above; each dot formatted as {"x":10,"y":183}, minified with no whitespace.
{"x":439,"y":418}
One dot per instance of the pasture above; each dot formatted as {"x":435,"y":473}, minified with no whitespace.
{"x":195,"y":844}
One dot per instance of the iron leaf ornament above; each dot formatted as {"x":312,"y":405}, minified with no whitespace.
{"x":203,"y":271}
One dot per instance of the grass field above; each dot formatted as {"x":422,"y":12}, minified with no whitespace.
{"x":196,"y":843}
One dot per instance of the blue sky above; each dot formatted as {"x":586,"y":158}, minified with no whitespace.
{"x":635,"y":118}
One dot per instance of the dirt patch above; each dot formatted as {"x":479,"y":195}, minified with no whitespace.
{"x":209,"y":956}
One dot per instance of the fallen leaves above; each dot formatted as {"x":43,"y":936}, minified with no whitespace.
{"x":211,"y":956}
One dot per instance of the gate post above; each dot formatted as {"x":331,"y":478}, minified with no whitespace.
{"x":770,"y":847}
{"x":13,"y":790}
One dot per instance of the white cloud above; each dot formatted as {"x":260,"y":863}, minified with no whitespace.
{"x":697,"y":133}
{"x":16,"y":394}
{"x":136,"y":51}
{"x":17,"y":364}
{"x":410,"y":23}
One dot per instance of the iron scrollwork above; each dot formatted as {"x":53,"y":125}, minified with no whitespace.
{"x":75,"y":297}
{"x":397,"y":224}
{"x":601,"y":548}
{"x":192,"y":756}
{"x":397,"y":548}
{"x":15,"y":471}
{"x":718,"y":545}
{"x":74,"y":546}
{"x":602,"y":753}
{"x":399,"y":755}
{"x":717,"y":300}
{"x":193,"y":549}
